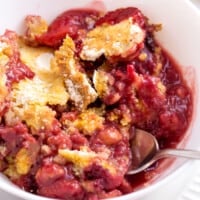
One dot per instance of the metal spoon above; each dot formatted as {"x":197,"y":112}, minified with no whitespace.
{"x":145,"y":150}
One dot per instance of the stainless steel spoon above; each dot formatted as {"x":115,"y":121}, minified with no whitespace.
{"x":145,"y":150}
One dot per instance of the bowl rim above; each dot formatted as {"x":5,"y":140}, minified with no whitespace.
{"x":14,"y":190}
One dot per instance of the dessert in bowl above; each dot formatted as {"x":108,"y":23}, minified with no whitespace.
{"x":75,"y":86}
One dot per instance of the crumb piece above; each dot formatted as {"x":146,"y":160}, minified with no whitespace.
{"x":77,"y":83}
{"x":23,"y":161}
{"x":29,"y":98}
{"x":79,"y":158}
{"x":119,"y":40}
{"x":3,"y":87}
{"x":142,"y":56}
{"x":89,"y":121}
{"x":100,"y":80}
{"x":35,"y":27}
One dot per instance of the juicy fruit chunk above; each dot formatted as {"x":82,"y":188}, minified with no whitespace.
{"x":73,"y":23}
{"x":110,"y":135}
{"x":48,"y":174}
{"x":118,"y":15}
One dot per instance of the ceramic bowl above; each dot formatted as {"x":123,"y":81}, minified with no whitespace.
{"x":180,"y":37}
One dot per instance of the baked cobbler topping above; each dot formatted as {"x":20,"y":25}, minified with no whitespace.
{"x":77,"y":83}
{"x":72,"y":94}
{"x":117,"y":40}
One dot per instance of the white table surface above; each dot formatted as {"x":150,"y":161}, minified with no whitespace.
{"x":178,"y":189}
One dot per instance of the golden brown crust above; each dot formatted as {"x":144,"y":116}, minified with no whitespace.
{"x":77,"y":83}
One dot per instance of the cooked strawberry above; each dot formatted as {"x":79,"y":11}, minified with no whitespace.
{"x":72,"y":22}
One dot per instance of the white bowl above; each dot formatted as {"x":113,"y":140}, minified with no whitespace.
{"x":180,"y":37}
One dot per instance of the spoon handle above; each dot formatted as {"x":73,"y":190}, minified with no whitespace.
{"x":186,"y":153}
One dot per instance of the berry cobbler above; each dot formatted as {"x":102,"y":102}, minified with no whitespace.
{"x":72,"y":94}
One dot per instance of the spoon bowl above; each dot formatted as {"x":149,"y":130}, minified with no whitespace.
{"x":146,"y":151}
